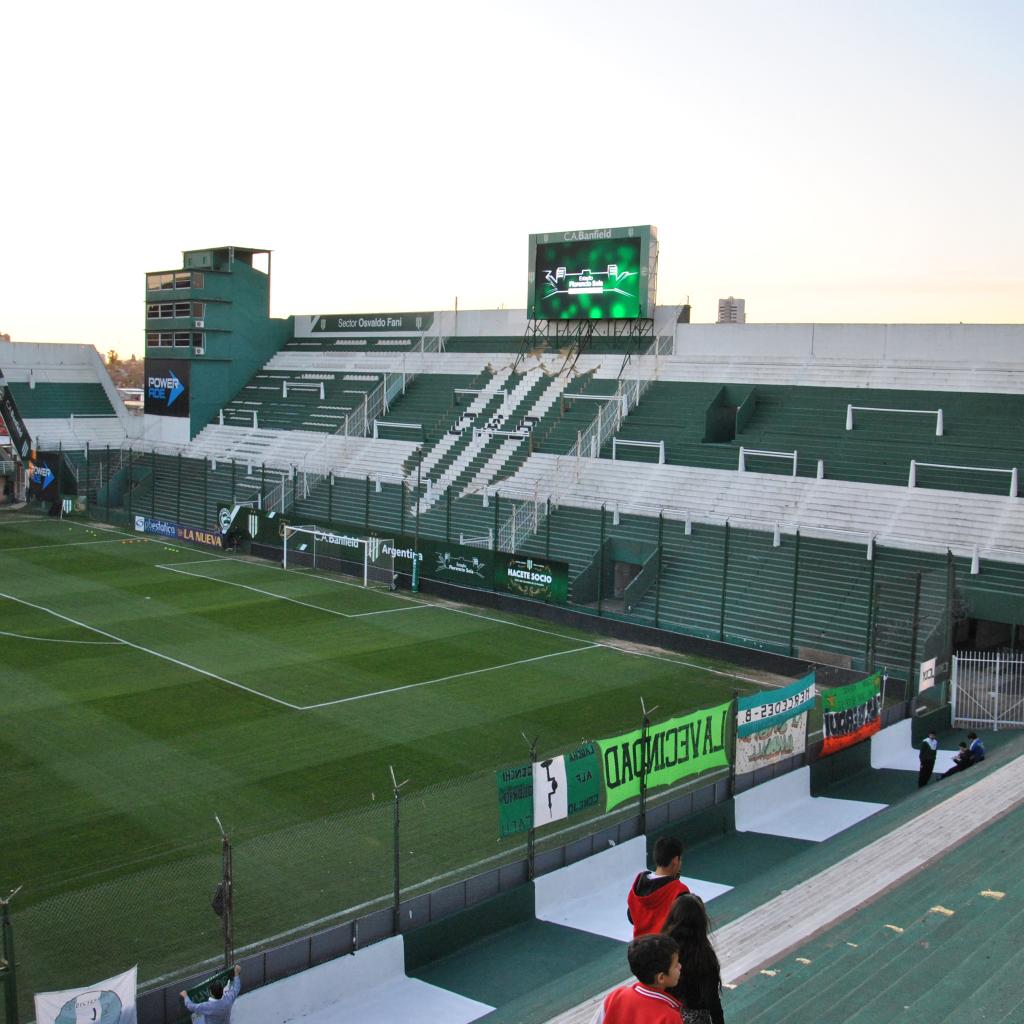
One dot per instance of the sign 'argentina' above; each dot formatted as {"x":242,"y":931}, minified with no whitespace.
{"x":675,"y":749}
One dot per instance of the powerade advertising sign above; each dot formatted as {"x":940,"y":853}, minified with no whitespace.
{"x":167,"y":387}
{"x":42,"y":479}
{"x":49,"y":477}
{"x":593,"y":274}
{"x":176,"y":531}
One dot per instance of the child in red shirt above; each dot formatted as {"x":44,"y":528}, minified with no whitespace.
{"x":654,"y":959}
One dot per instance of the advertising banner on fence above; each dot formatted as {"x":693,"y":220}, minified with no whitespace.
{"x":548,"y":791}
{"x":175,"y":531}
{"x":675,"y":749}
{"x":773,"y":726}
{"x":107,"y":1002}
{"x":851,"y":713}
{"x":539,"y":578}
{"x":762,"y":710}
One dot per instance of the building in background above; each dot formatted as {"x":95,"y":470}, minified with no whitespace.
{"x":732,"y":311}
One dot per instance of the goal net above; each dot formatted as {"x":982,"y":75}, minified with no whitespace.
{"x":370,"y":560}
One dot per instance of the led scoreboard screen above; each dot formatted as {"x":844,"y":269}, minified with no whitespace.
{"x":597,"y":274}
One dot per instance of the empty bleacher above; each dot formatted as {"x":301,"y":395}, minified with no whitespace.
{"x":705,"y":424}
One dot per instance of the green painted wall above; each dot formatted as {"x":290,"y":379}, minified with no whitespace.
{"x":240,"y":335}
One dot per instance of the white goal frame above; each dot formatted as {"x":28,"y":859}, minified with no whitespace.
{"x":375,"y":553}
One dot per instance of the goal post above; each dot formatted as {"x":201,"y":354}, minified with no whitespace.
{"x":371,"y":560}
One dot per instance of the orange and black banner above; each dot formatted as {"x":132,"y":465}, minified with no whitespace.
{"x":851,"y":713}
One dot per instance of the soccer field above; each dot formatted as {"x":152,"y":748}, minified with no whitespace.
{"x":148,"y":686}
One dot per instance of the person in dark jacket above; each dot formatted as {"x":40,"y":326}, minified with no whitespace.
{"x":961,"y":762}
{"x":700,"y":980}
{"x":929,"y":749}
{"x":653,"y":892}
{"x":975,"y":747}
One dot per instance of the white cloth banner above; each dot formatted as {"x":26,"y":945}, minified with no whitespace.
{"x":550,"y":796}
{"x":108,"y":1002}
{"x":771,"y":745}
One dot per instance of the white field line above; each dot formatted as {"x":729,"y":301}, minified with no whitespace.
{"x":18,"y":521}
{"x":60,"y":547}
{"x":147,"y":650}
{"x":390,"y":611}
{"x":53,"y":640}
{"x":462,"y":611}
{"x":445,"y":679}
{"x":270,"y":593}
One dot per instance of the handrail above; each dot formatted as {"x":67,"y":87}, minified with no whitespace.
{"x":912,"y":482}
{"x":937,"y":413}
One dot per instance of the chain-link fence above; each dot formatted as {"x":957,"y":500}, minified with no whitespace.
{"x":286,"y":883}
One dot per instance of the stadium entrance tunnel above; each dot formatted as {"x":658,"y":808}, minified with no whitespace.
{"x":619,"y":575}
{"x":988,"y":620}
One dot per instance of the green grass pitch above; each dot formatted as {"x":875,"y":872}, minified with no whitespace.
{"x":148,"y":686}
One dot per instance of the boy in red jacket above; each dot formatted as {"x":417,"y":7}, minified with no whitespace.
{"x":652,"y":894}
{"x":654,"y":959}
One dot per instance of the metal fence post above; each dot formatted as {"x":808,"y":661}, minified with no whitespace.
{"x":725,"y":579}
{"x":912,"y":670}
{"x":448,"y":517}
{"x":8,"y":968}
{"x":108,"y":483}
{"x":224,"y":898}
{"x":657,"y":584}
{"x":645,"y":724}
{"x":792,"y":603}
{"x":152,"y":483}
{"x":995,"y":696}
{"x":396,"y":788}
{"x":178,"y":508}
{"x":531,"y":835}
{"x":600,"y":582}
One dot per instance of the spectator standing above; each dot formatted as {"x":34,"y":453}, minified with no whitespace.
{"x":654,"y":961}
{"x":929,"y":748}
{"x":653,"y":892}
{"x":216,"y":1009}
{"x":700,"y":982}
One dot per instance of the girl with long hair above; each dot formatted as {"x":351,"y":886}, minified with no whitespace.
{"x":700,"y":984}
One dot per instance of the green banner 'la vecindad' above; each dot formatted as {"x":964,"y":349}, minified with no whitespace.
{"x":676,"y":748}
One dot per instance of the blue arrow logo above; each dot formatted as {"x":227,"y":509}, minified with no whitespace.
{"x":42,"y":475}
{"x":177,"y":389}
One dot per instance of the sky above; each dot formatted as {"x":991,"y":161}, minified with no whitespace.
{"x":826,"y":161}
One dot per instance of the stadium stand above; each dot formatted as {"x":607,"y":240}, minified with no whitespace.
{"x":66,"y":397}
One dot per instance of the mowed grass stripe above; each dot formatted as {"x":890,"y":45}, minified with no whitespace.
{"x":266,"y":644}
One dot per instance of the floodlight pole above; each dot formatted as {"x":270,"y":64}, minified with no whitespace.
{"x":228,"y":914}
{"x":531,"y":835}
{"x":644,"y":762}
{"x":396,"y":787}
{"x":8,"y":965}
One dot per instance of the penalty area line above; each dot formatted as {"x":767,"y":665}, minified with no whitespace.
{"x":147,"y":650}
{"x":445,"y":679}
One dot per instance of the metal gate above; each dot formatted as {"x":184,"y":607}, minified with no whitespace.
{"x":988,"y":689}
